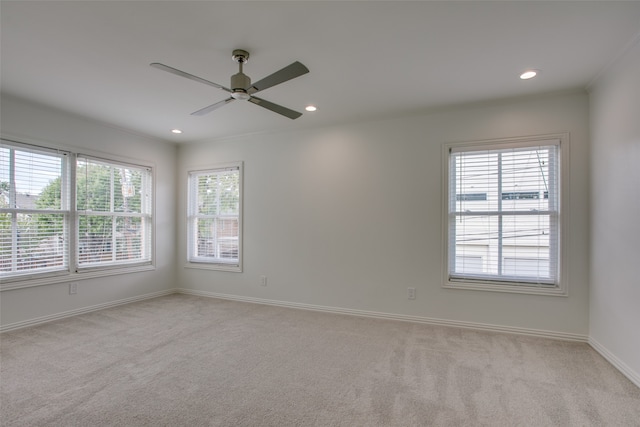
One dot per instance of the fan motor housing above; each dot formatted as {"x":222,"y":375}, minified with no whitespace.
{"x":240,"y":81}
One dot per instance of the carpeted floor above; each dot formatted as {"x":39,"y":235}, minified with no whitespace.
{"x":191,"y":361}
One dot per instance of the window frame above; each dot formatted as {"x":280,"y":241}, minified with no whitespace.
{"x":196,"y":262}
{"x":73,"y":272}
{"x":560,"y":288}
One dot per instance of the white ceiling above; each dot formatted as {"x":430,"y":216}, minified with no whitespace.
{"x":367,"y":59}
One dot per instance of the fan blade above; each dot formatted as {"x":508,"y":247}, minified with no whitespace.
{"x":212,"y":107}
{"x":287,"y":73}
{"x":275,"y":108}
{"x":187,"y":75}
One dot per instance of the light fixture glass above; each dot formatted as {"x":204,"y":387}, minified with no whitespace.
{"x":176,"y":131}
{"x":310,"y":108}
{"x":529,"y":74}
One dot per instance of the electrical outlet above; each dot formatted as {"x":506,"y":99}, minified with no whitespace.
{"x":263,"y":280}
{"x":411,"y":293}
{"x":73,"y":288}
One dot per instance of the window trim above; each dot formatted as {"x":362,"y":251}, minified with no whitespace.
{"x":72,"y":274}
{"x":561,"y":289}
{"x":216,"y":265}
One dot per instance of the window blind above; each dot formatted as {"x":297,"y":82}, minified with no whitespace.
{"x":113,"y":201}
{"x":34,"y":210}
{"x":214,"y":216}
{"x":511,"y":233}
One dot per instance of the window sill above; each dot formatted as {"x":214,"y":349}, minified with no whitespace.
{"x":214,"y":267}
{"x":505,"y":287}
{"x":71,"y":277}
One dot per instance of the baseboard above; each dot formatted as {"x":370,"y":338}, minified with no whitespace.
{"x":337,"y":310}
{"x":70,"y":313}
{"x":633,"y":376}
{"x":406,"y":318}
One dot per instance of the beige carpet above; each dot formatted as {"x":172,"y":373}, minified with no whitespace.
{"x":189,"y":361}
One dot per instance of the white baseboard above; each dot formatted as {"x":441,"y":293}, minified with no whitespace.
{"x":70,"y":313}
{"x":633,"y":376}
{"x":406,"y":318}
{"x":337,"y":310}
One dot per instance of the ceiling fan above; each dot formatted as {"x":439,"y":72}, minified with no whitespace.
{"x":241,"y":87}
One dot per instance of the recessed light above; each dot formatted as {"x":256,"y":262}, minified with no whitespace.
{"x":310,"y":108}
{"x":176,"y":131}
{"x":529,"y":74}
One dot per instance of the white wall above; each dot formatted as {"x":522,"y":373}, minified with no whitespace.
{"x":350,"y":216}
{"x":615,"y":213}
{"x":31,"y":123}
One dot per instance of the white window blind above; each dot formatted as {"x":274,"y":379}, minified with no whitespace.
{"x":214,"y":216}
{"x":114,"y":213}
{"x":503,"y":204}
{"x":34,"y":210}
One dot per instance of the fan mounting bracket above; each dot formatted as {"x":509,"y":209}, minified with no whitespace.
{"x":240,"y":56}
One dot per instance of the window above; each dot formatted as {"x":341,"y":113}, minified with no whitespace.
{"x":510,"y":239}
{"x":34,"y":211}
{"x":114,"y":213}
{"x":62,"y":212}
{"x":215,"y":217}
